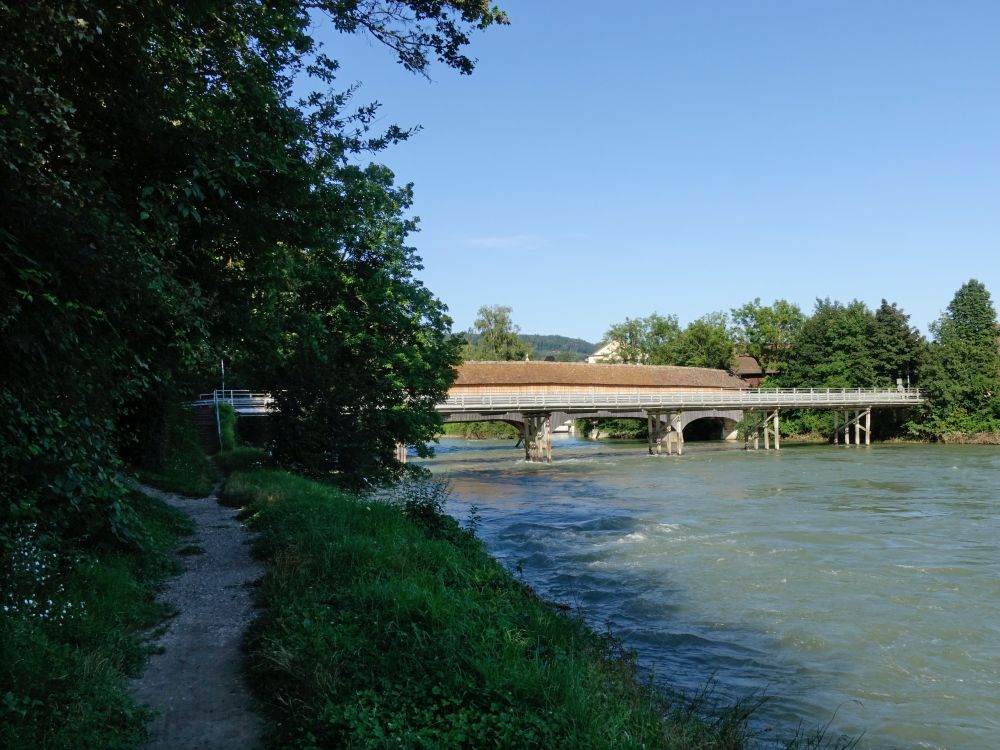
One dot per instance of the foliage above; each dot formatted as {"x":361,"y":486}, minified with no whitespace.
{"x":241,"y":458}
{"x":898,"y":347}
{"x":377,"y":631}
{"x":481,"y":430}
{"x":650,"y":340}
{"x":659,"y":340}
{"x":227,"y":426}
{"x":766,"y":333}
{"x":362,"y":349}
{"x":961,"y":373}
{"x":168,"y":198}
{"x":560,"y":348}
{"x":629,"y":429}
{"x":833,"y":348}
{"x":706,"y":342}
{"x":496,"y":337}
{"x":63,"y":662}
{"x":182,"y":465}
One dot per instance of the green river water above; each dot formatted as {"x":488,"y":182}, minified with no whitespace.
{"x":851,"y":585}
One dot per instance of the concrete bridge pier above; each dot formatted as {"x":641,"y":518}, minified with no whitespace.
{"x":537,"y":432}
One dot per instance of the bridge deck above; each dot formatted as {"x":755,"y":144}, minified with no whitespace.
{"x":569,"y":402}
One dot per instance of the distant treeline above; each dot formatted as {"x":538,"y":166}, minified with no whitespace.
{"x":560,"y":348}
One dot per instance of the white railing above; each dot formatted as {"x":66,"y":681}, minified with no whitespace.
{"x":259,"y":403}
{"x":244,"y":402}
{"x":789,"y":398}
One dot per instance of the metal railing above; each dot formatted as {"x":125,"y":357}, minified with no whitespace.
{"x":245,"y":402}
{"x":790,"y":398}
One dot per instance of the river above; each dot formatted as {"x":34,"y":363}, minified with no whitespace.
{"x":853,"y":585}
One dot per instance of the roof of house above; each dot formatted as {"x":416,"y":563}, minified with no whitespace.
{"x":748,"y":365}
{"x":586,"y":374}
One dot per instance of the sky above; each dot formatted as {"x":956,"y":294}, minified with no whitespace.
{"x":610,"y":160}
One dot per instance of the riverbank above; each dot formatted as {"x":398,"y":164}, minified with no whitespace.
{"x":385,"y":624}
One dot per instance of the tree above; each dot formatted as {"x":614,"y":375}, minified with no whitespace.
{"x":706,"y":342}
{"x":171,"y":199}
{"x":649,"y":341}
{"x":897,"y":346}
{"x":961,"y":373}
{"x":766,"y":332}
{"x":496,"y":336}
{"x":833,"y":348}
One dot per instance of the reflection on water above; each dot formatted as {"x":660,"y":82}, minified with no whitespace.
{"x":861,"y":584}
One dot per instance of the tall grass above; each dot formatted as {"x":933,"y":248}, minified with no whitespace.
{"x":384,"y":624}
{"x":71,"y":629}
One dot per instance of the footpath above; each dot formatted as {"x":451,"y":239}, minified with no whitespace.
{"x":195,"y":682}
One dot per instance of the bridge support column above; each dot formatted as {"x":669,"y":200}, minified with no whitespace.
{"x":538,"y":438}
{"x":665,"y":428}
{"x":861,"y":422}
{"x":772,"y":423}
{"x":766,"y":425}
{"x":678,"y":428}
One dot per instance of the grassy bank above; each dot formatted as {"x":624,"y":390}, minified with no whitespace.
{"x":71,"y":630}
{"x":384,"y":624}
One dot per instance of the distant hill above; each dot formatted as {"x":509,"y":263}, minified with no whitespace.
{"x":545,"y":346}
{"x":562,"y":348}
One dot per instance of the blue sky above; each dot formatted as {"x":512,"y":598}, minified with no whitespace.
{"x":610,"y":160}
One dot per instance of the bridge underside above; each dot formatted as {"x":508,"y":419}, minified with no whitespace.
{"x":665,"y":429}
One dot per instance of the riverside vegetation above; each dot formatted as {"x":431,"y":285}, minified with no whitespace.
{"x":386,"y":624}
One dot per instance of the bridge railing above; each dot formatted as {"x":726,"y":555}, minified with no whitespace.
{"x":682,"y":400}
{"x":245,"y":402}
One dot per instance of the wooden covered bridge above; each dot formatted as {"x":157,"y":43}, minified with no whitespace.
{"x":538,"y":396}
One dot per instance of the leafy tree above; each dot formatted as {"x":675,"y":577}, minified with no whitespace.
{"x":706,"y":342}
{"x":651,"y":341}
{"x":833,"y":348}
{"x":496,"y":336}
{"x":765,"y":332}
{"x":961,"y":373}
{"x":166,"y":199}
{"x":896,"y":346}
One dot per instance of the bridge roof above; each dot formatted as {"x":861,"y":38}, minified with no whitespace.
{"x":586,"y":374}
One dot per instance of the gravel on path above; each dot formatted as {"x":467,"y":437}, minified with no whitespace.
{"x":196,"y":683}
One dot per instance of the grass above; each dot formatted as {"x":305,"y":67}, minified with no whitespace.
{"x":384,"y":624}
{"x":240,"y":459}
{"x":64,"y":657}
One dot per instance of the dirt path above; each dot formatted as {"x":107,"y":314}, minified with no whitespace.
{"x":196,"y":684}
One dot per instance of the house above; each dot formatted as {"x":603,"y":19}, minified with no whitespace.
{"x":603,"y":354}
